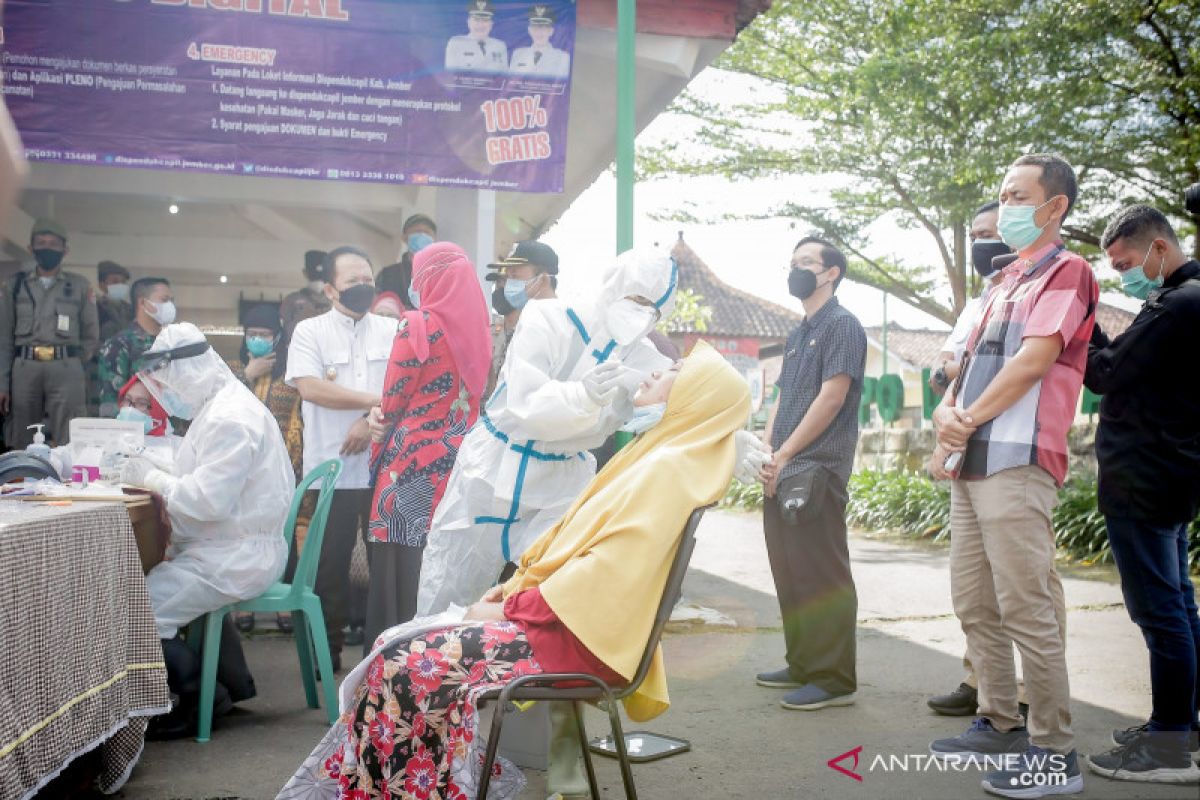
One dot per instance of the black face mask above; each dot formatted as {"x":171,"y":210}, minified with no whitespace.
{"x":500,"y":303}
{"x":47,"y":259}
{"x":802,"y":283}
{"x":358,"y":298}
{"x":982,"y":253}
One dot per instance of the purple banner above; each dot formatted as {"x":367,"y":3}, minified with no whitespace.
{"x":435,"y":92}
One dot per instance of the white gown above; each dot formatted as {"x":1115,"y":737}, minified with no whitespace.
{"x":227,"y":511}
{"x":524,"y":463}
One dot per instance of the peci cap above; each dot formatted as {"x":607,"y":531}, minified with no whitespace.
{"x":540,"y":14}
{"x":481,"y":8}
{"x":314,"y":265}
{"x":527,"y":252}
{"x":48,"y":225}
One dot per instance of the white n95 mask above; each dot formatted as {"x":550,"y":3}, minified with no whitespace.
{"x":628,"y":321}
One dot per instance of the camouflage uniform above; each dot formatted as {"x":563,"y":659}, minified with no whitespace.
{"x":115,"y":316}
{"x":117,"y":359}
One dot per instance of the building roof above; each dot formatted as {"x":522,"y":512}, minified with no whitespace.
{"x":920,"y":346}
{"x":734,"y":312}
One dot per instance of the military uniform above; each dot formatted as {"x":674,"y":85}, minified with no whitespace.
{"x":465,"y":53}
{"x":116,"y":362}
{"x":548,"y":63}
{"x":46,"y":335}
{"x":292,"y":306}
{"x":115,"y":316}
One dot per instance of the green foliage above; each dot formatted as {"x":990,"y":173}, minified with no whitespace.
{"x":905,"y":502}
{"x":1079,"y":525}
{"x":690,"y":314}
{"x":746,"y":496}
{"x":915,"y":107}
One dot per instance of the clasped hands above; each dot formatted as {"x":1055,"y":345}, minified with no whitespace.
{"x":490,"y":607}
{"x":953,"y":427}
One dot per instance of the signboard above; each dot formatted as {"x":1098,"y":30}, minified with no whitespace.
{"x":392,"y":91}
{"x":741,"y":353}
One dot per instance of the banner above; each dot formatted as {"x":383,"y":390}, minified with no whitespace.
{"x":439,"y":92}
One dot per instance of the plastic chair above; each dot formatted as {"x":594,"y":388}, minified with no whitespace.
{"x":542,"y":687}
{"x":297,"y":597}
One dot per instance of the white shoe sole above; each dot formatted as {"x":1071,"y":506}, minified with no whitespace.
{"x":840,"y":700}
{"x":1074,"y":785}
{"x":778,"y":684}
{"x":1179,"y":775}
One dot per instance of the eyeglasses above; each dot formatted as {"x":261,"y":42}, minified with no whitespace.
{"x":805,"y":263}
{"x":141,"y":405}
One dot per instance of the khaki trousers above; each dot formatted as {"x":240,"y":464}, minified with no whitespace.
{"x":1007,"y":591}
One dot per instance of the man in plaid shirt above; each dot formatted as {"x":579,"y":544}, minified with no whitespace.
{"x":1005,"y":423}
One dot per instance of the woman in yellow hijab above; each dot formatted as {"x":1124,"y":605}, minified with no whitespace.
{"x":584,"y":597}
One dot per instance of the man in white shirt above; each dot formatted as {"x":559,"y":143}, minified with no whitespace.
{"x":541,"y":58}
{"x":477,"y":51}
{"x":338,"y":361}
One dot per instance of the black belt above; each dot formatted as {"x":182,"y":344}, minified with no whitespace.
{"x":47,"y":352}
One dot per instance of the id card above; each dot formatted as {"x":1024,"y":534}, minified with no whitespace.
{"x":64,"y":323}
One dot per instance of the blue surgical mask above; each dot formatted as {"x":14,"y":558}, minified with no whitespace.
{"x":418,"y":242}
{"x":176,"y":406}
{"x":1016,"y":225}
{"x":1135,"y":283}
{"x":514,"y":292}
{"x":645,"y":417}
{"x":414,"y":297}
{"x":131,"y":414}
{"x":259,"y":346}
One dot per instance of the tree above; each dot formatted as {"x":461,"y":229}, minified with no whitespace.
{"x":916,"y":106}
{"x":689,"y":314}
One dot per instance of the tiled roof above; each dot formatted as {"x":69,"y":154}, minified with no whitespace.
{"x":734,"y":312}
{"x":919,"y":347}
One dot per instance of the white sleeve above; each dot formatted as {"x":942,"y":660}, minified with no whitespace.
{"x":956,"y":342}
{"x":224,"y":458}
{"x":304,"y":354}
{"x":546,"y":408}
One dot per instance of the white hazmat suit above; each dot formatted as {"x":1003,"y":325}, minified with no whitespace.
{"x":231,"y":488}
{"x":526,"y":460}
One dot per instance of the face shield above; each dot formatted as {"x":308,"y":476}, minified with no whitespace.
{"x":639,"y":290}
{"x":181,"y":371}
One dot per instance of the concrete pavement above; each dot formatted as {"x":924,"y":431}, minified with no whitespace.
{"x":743,"y":744}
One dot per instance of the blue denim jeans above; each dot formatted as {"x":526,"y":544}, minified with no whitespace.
{"x":1159,"y":596}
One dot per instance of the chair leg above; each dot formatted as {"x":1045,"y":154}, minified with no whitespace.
{"x":211,"y":654}
{"x":320,"y":640}
{"x":614,"y":718}
{"x":305,"y":653}
{"x":493,"y":745}
{"x":577,"y":707}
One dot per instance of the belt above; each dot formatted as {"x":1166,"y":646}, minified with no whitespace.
{"x":47,"y":352}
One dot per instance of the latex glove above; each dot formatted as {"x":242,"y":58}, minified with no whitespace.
{"x":752,"y":455}
{"x":138,"y":471}
{"x":602,"y":382}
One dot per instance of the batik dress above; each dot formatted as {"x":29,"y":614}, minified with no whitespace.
{"x":428,"y":410}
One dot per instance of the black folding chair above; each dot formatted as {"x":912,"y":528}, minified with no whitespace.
{"x":543,"y":687}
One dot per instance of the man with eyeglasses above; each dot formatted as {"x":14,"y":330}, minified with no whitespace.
{"x":813,"y":430}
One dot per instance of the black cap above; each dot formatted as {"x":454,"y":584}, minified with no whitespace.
{"x":419,"y":219}
{"x":528,"y":252}
{"x":314,"y":264}
{"x":541,"y":14}
{"x":481,"y":8}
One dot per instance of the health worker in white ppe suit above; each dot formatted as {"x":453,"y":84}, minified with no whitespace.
{"x":566,"y":385}
{"x":231,"y":486}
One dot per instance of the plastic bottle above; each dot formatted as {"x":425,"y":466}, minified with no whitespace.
{"x":42,"y":450}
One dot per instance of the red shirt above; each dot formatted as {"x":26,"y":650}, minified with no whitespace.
{"x":554,"y":646}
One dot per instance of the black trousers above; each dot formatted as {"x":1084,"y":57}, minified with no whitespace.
{"x":810,"y":563}
{"x":349,"y":515}
{"x":392,"y":593}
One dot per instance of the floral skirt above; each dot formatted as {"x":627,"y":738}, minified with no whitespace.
{"x":412,"y":730}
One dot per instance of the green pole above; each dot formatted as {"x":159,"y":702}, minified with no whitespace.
{"x":626,"y":108}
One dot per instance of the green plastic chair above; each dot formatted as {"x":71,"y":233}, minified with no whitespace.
{"x":297,"y":597}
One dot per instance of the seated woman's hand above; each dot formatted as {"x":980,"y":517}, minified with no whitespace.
{"x":494,"y":594}
{"x":377,"y":425}
{"x":485,"y":612}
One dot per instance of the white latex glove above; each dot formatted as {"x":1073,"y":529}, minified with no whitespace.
{"x":138,"y":471}
{"x":751,"y":456}
{"x":629,"y":380}
{"x":602,"y":382}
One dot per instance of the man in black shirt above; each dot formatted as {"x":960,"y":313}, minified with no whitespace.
{"x":812,"y":432}
{"x":1148,"y":449}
